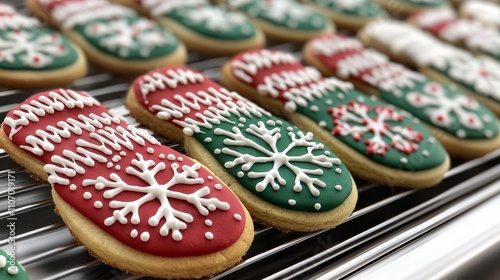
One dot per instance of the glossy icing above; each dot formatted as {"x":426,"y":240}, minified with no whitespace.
{"x":25,"y":45}
{"x":282,"y":13}
{"x":268,"y":156}
{"x":111,"y":28}
{"x":445,"y":24}
{"x":358,"y":8}
{"x":10,"y":269}
{"x":432,"y":102}
{"x":145,"y":195}
{"x":480,"y":75}
{"x":425,"y":3}
{"x":367,"y":125}
{"x":204,"y":18}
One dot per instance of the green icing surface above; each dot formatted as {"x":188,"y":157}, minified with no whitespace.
{"x":108,"y":39}
{"x":18,"y":50}
{"x":5,"y":275}
{"x":285,"y":14}
{"x":365,"y":8}
{"x":488,"y":119}
{"x":416,"y":161}
{"x":425,"y":3}
{"x":329,"y":197}
{"x":213,"y":22}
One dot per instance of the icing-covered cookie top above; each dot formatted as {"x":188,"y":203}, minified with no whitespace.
{"x":204,"y":18}
{"x":369,"y":126}
{"x":445,"y":24}
{"x":484,"y":11}
{"x":10,"y":269}
{"x":359,"y":8}
{"x":480,"y":75}
{"x":144,"y":194}
{"x":268,"y":156}
{"x":113,"y":29}
{"x":282,"y":13}
{"x":25,"y":45}
{"x":426,"y":3}
{"x":436,"y":104}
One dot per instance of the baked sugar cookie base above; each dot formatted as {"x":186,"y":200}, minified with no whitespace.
{"x":112,"y":252}
{"x":357,"y":163}
{"x":125,"y":67}
{"x":261,"y":211}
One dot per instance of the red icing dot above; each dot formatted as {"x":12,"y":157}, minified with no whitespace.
{"x":483,"y":73}
{"x":62,"y":47}
{"x":440,"y":118}
{"x":36,"y":59}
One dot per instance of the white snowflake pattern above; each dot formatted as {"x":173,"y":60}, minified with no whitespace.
{"x":353,"y":120}
{"x":285,"y":11}
{"x":147,"y":170}
{"x":215,"y":18}
{"x":440,"y":108}
{"x":344,"y":4}
{"x":119,"y":34}
{"x":280,"y":159}
{"x":482,"y":74}
{"x":34,"y":51}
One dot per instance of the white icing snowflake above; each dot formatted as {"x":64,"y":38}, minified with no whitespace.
{"x":35,"y":52}
{"x":344,"y":4}
{"x":173,"y":220}
{"x":482,"y":74}
{"x":214,"y":18}
{"x":353,"y":120}
{"x":124,"y":36}
{"x":440,"y":108}
{"x":284,"y":10}
{"x":270,"y":153}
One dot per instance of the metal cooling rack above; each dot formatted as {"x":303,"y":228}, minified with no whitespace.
{"x":385,"y":219}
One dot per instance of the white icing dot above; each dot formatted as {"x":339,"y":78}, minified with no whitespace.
{"x":240,"y":125}
{"x":432,"y":140}
{"x":237,"y":217}
{"x":208,"y":140}
{"x":279,"y":122}
{"x":117,"y":167}
{"x":218,"y":186}
{"x":338,"y":170}
{"x":322,"y":123}
{"x":327,"y":153}
{"x":116,"y":158}
{"x":488,"y":133}
{"x":188,"y":131}
{"x":339,"y":95}
{"x":292,"y":202}
{"x":72,"y":187}
{"x":145,"y":236}
{"x":150,"y":150}
{"x":290,"y":129}
{"x":3,"y":261}
{"x":13,"y":270}
{"x":242,"y":120}
{"x":271,"y":123}
{"x":425,"y":153}
{"x":171,"y":157}
{"x":209,"y":235}
{"x":87,"y":195}
{"x":338,"y":187}
{"x":162,"y":156}
{"x":98,"y":204}
{"x":403,"y":160}
{"x":180,"y":159}
{"x":314,"y":108}
{"x":317,"y":206}
{"x":208,"y":223}
{"x":329,"y":101}
{"x":361,"y":99}
{"x":210,"y":177}
{"x":486,"y":118}
{"x":290,"y":107}
{"x":123,"y":153}
{"x":373,"y":98}
{"x":217,"y":151}
{"x":461,"y":133}
{"x":241,"y":174}
{"x":109,"y":165}
{"x":134,"y":233}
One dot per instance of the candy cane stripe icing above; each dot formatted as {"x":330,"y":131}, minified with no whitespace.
{"x":432,"y":102}
{"x":479,"y":75}
{"x":141,"y":193}
{"x":365,"y":124}
{"x":269,"y":157}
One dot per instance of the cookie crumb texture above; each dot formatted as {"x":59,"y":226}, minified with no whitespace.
{"x":147,"y":196}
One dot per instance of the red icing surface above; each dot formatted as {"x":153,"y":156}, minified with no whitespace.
{"x":226,"y":230}
{"x":439,"y":26}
